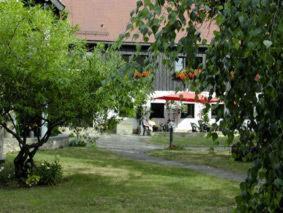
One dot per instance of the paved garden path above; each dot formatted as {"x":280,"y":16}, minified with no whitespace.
{"x":135,"y":147}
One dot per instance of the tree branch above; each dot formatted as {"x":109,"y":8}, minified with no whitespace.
{"x":44,"y":139}
{"x":12,"y":120}
{"x":19,"y":139}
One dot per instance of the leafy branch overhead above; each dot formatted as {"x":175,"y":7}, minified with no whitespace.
{"x":243,"y":68}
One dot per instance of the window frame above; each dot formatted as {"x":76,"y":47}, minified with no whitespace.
{"x":185,"y":61}
{"x":188,"y":114}
{"x":153,"y":115}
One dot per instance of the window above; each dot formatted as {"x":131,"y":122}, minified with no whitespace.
{"x":126,"y":58}
{"x":141,"y":60}
{"x":182,"y":62}
{"x":179,"y":64}
{"x":188,"y":111}
{"x":157,"y":110}
{"x":197,"y":63}
{"x":217,"y":110}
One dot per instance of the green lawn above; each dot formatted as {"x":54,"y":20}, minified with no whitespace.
{"x":222,"y":160}
{"x":188,"y":139}
{"x":98,"y":181}
{"x":197,"y":151}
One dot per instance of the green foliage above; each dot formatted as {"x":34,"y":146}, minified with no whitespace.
{"x":244,"y":69}
{"x":55,"y":132}
{"x":48,"y":78}
{"x":7,"y":174}
{"x":44,"y":174}
{"x":244,"y":151}
{"x":77,"y":143}
{"x":32,"y":180}
{"x":49,"y":173}
{"x":111,"y":125}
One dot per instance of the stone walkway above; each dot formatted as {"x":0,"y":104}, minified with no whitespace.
{"x":135,"y":147}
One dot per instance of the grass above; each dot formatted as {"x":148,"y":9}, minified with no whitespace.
{"x":197,"y":151}
{"x":185,"y":139}
{"x":222,"y":160}
{"x":98,"y":181}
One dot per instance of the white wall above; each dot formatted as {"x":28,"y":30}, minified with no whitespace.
{"x":12,"y":145}
{"x":182,"y":124}
{"x":127,"y":125}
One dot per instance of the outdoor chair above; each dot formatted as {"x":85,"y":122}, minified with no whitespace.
{"x":163,"y":127}
{"x":146,"y":128}
{"x":194,"y":127}
{"x":203,"y":126}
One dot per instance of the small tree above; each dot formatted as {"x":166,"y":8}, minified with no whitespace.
{"x":48,"y":79}
{"x":244,"y":69}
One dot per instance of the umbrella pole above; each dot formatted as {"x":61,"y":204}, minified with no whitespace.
{"x":171,"y":137}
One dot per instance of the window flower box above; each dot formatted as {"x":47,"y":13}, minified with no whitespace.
{"x":143,"y":74}
{"x":187,"y":74}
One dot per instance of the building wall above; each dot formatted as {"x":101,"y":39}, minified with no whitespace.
{"x":163,"y":80}
{"x":127,"y":126}
{"x":181,"y":124}
{"x":163,"y":84}
{"x":11,"y":144}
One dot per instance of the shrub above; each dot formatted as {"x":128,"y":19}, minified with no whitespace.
{"x":55,"y":132}
{"x":49,"y":173}
{"x":77,"y":143}
{"x":32,"y":180}
{"x":244,"y":152}
{"x":83,"y":141}
{"x":7,"y":174}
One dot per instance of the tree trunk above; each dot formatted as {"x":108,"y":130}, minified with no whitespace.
{"x":24,"y":162}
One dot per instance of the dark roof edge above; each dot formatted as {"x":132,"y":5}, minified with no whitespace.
{"x":112,"y":42}
{"x":130,"y":43}
{"x":58,"y":4}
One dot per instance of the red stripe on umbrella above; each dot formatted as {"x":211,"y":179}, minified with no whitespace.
{"x":189,"y":97}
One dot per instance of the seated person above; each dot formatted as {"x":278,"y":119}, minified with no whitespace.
{"x":146,"y":126}
{"x":153,"y":125}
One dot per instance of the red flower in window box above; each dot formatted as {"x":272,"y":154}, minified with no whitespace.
{"x":137,"y":74}
{"x":143,"y":74}
{"x":198,"y":71}
{"x":181,"y":75}
{"x":191,"y":75}
{"x":188,"y":74}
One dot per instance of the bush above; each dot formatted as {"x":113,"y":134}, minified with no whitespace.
{"x":83,"y":141}
{"x":77,"y":143}
{"x":32,"y":180}
{"x":7,"y":174}
{"x":244,"y":152}
{"x":55,"y":132}
{"x":49,"y":173}
{"x":111,"y":125}
{"x":44,"y":174}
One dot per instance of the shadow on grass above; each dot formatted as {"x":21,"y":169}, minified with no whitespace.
{"x":96,"y":180}
{"x":99,"y":158}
